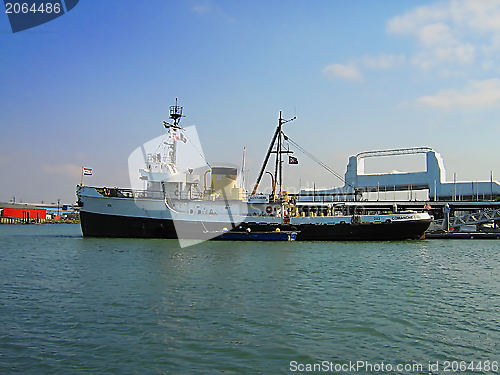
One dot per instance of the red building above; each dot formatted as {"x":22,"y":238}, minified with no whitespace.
{"x":24,"y":213}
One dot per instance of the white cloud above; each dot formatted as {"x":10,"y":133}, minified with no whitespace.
{"x":411,"y":22}
{"x":435,"y":33}
{"x":481,"y":15}
{"x":452,"y":53}
{"x":476,"y":95}
{"x":383,"y":61}
{"x":455,"y":32}
{"x":349,"y":72}
{"x":487,"y":65}
{"x":452,"y":38}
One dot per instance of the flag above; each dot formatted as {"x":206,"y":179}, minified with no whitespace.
{"x":174,"y":135}
{"x":293,"y":160}
{"x":427,"y":207}
{"x":87,"y":171}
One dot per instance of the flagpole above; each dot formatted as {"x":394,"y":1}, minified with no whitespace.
{"x":81,"y":181}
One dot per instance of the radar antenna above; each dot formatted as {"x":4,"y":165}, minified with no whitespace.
{"x":175,"y":115}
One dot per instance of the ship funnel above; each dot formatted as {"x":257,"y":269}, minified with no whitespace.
{"x":224,"y":183}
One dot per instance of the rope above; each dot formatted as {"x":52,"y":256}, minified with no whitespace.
{"x":199,"y":152}
{"x":305,"y":152}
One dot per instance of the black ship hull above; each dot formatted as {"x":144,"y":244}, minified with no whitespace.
{"x":101,"y":225}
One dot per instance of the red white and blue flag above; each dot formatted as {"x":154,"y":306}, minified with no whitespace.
{"x":87,"y":171}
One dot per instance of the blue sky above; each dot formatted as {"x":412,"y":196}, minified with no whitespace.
{"x":91,"y":86}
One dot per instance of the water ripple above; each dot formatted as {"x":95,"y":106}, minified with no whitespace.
{"x":72,"y":304}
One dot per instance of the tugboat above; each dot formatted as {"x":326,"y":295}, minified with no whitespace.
{"x":173,"y":205}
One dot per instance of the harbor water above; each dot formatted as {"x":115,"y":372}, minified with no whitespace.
{"x":70,"y":304}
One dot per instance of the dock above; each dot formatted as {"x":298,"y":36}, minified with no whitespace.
{"x":463,"y":236}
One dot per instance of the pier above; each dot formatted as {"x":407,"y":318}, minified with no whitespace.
{"x":455,"y":205}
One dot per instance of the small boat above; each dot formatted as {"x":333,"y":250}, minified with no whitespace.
{"x":257,"y":236}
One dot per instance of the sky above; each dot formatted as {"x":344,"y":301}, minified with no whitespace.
{"x":88,"y":88}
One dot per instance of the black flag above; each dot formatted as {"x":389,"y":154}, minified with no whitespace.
{"x":293,"y":160}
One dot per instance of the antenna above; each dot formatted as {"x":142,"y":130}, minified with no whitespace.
{"x":174,"y":130}
{"x":243,"y":169}
{"x":175,"y":114}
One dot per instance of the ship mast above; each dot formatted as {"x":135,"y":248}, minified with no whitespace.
{"x":174,"y":129}
{"x":279,"y":160}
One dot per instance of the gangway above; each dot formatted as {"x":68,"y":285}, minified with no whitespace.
{"x":474,"y":218}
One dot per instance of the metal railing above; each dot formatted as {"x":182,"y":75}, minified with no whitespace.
{"x":474,"y":218}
